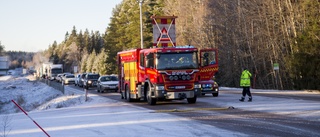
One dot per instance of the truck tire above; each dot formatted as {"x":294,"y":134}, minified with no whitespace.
{"x":215,"y":94}
{"x":192,"y":100}
{"x":127,"y":93}
{"x":151,"y":101}
{"x":122,"y":95}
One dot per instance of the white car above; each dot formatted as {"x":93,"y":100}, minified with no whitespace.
{"x":108,"y":82}
{"x":68,"y":79}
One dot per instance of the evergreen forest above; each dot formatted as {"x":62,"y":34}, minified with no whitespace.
{"x":256,"y":34}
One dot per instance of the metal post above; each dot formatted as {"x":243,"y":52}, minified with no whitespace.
{"x":86,"y":94}
{"x":141,"y":28}
{"x":30,"y":117}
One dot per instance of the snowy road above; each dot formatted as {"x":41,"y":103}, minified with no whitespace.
{"x":109,"y":116}
{"x":273,"y":113}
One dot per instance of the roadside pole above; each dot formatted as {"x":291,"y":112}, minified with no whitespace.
{"x":276,"y":71}
{"x":86,"y":96}
{"x":30,"y":118}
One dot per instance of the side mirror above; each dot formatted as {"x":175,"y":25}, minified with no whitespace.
{"x":158,"y":56}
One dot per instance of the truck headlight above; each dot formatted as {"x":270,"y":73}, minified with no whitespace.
{"x":203,"y":85}
{"x":197,"y":85}
{"x":89,"y":81}
{"x":159,"y":87}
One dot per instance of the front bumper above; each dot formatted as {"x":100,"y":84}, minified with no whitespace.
{"x":210,"y":90}
{"x":175,"y":95}
{"x":109,"y":87}
{"x":68,"y":81}
{"x":92,"y":84}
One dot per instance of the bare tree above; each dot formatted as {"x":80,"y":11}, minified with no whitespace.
{"x":6,"y":123}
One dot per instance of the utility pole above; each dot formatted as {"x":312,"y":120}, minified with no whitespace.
{"x":141,"y":26}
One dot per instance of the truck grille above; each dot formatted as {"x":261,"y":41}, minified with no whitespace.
{"x":179,"y":78}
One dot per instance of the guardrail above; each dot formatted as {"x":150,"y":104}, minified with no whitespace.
{"x":54,"y":84}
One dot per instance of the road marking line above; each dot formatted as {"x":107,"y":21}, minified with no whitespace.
{"x":194,"y":109}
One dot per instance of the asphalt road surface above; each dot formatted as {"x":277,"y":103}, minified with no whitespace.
{"x":252,"y":123}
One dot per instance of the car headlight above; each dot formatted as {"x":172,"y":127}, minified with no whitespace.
{"x":197,"y":85}
{"x":89,"y":81}
{"x":159,"y":87}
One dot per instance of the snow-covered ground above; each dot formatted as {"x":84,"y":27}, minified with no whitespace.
{"x":68,"y":115}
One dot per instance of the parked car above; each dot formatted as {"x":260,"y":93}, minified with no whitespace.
{"x":81,"y":80}
{"x":68,"y":79}
{"x":108,"y":82}
{"x":77,"y":79}
{"x":90,"y":80}
{"x":209,"y":87}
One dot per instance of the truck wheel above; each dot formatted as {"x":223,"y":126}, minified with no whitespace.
{"x":192,"y":100}
{"x":127,"y":93}
{"x":98,"y":89}
{"x":151,"y":101}
{"x":215,"y":94}
{"x":122,"y":96}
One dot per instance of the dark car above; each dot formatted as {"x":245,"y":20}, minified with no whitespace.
{"x":108,"y":82}
{"x":90,"y":80}
{"x":209,"y":87}
{"x":81,"y":79}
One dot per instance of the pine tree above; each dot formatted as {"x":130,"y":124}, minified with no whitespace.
{"x":114,"y":38}
{"x":84,"y":63}
{"x":90,"y":62}
{"x":305,"y":63}
{"x":101,"y":64}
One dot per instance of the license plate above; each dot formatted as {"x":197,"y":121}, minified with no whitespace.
{"x":112,"y":87}
{"x":180,"y":87}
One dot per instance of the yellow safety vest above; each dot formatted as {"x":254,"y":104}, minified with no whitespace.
{"x":245,"y":79}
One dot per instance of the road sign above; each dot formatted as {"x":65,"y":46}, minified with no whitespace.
{"x":164,"y":31}
{"x":164,"y":35}
{"x":276,"y":66}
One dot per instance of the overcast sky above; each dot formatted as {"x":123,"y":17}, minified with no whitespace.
{"x":32,"y":25}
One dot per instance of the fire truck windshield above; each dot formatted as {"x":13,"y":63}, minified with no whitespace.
{"x":169,"y":61}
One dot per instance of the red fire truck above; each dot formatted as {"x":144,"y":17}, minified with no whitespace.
{"x":167,"y":71}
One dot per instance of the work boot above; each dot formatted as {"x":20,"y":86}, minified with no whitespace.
{"x":242,"y":99}
{"x":250,"y":99}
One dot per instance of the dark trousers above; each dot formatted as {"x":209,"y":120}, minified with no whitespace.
{"x":246,"y":91}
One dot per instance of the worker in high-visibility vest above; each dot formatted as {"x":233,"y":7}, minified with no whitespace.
{"x":245,"y":84}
